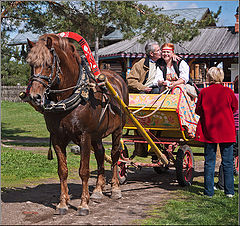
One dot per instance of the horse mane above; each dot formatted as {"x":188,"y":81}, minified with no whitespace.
{"x":40,"y":55}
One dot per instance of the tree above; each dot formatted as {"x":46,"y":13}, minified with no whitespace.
{"x":92,"y":19}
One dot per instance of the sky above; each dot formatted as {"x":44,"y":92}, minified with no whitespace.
{"x":226,"y":18}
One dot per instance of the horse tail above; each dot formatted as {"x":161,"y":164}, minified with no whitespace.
{"x":50,"y":153}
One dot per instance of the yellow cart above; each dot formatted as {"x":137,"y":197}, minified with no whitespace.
{"x":156,"y":127}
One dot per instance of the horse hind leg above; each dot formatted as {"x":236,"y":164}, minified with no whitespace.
{"x":115,"y":153}
{"x":99,"y":152}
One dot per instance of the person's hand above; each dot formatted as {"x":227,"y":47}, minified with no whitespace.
{"x":147,"y":89}
{"x":176,"y":58}
{"x":167,"y":83}
{"x":160,"y":83}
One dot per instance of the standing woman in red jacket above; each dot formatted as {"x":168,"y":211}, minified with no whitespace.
{"x":215,"y":106}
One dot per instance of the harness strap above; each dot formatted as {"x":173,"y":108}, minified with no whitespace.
{"x":80,"y":93}
{"x":103,"y":109}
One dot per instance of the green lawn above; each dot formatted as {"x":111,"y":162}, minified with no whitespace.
{"x":20,"y":120}
{"x":19,"y":167}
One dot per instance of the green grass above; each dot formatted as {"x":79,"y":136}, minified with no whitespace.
{"x":20,"y":167}
{"x":20,"y":120}
{"x":196,"y":210}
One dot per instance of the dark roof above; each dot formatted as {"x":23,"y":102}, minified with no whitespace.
{"x":212,"y":40}
{"x":21,"y":38}
{"x":188,"y":14}
{"x":178,"y":14}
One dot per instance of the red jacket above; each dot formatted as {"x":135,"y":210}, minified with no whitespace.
{"x":215,"y":106}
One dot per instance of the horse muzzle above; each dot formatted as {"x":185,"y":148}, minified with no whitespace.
{"x":36,"y":100}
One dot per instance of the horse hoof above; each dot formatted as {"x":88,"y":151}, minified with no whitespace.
{"x":116,"y":194}
{"x":96,"y":196}
{"x":83,"y":212}
{"x":61,"y":211}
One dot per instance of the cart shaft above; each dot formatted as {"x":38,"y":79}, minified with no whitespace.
{"x":137,"y":124}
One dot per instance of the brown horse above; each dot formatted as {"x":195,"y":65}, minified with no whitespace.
{"x":88,"y":115}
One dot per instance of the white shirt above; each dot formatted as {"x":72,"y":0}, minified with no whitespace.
{"x":184,"y":73}
{"x":151,"y":74}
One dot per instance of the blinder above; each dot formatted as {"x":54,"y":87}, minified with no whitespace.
{"x":41,"y":78}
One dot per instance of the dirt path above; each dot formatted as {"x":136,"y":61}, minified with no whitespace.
{"x":37,"y":204}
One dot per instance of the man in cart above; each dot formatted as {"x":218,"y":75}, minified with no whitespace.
{"x":143,"y":73}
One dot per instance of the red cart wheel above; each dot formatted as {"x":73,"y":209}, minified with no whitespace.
{"x":236,"y":164}
{"x":185,"y":166}
{"x":122,"y":173}
{"x":122,"y":169}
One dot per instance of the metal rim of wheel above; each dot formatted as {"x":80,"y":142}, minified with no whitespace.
{"x":185,"y":166}
{"x":122,"y":173}
{"x":237,"y":163}
{"x":122,"y":169}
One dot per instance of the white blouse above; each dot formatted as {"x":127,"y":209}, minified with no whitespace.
{"x":184,"y":73}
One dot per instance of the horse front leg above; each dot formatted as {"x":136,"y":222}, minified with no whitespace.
{"x":99,"y":152}
{"x":115,"y":153}
{"x":60,"y":150}
{"x":84,"y":173}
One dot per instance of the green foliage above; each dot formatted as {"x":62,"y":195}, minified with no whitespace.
{"x":14,"y":69}
{"x":92,"y":19}
{"x":13,"y":73}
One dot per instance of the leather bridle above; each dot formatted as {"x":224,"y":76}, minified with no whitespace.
{"x":42,"y":79}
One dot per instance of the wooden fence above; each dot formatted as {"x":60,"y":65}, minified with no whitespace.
{"x":11,"y":93}
{"x":226,"y":84}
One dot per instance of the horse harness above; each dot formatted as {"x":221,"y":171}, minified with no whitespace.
{"x":39,"y":77}
{"x":80,"y":90}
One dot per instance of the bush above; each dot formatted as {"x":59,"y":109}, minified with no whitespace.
{"x":13,"y":73}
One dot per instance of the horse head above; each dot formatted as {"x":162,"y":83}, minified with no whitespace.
{"x":54,"y":66}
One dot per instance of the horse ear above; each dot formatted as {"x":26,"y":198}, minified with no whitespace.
{"x":49,"y":43}
{"x":73,"y":49}
{"x":30,"y":43}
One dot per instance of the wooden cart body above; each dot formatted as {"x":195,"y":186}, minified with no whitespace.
{"x":161,"y":117}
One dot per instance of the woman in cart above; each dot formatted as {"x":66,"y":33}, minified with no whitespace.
{"x":175,"y":75}
{"x":172,"y":73}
